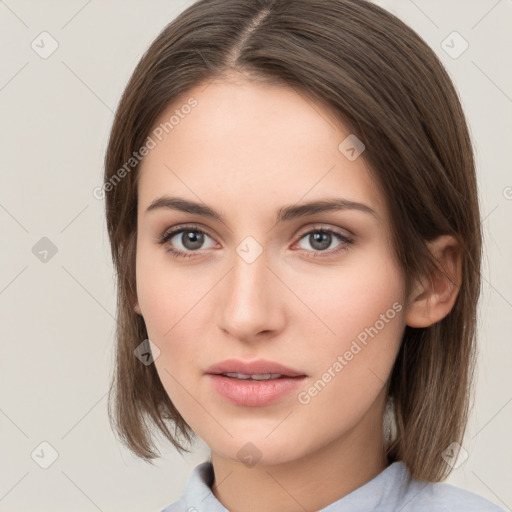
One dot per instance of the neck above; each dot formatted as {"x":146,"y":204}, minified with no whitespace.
{"x":310,"y":483}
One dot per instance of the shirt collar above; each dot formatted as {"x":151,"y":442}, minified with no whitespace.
{"x":382,"y":492}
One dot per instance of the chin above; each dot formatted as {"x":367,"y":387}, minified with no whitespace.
{"x":260,"y":449}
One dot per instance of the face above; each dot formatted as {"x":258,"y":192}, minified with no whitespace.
{"x":317,"y":290}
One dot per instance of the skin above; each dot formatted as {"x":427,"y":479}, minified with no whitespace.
{"x":246,"y":150}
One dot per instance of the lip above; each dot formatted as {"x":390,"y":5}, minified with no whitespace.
{"x":259,"y":366}
{"x":253,"y":393}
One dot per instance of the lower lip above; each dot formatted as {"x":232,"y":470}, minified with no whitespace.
{"x":253,"y":393}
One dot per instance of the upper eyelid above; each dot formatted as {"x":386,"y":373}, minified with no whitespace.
{"x":328,"y":227}
{"x":178,"y":229}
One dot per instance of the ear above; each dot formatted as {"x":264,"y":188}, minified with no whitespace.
{"x":136,"y":308}
{"x":435,"y":295}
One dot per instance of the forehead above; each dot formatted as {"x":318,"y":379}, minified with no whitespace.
{"x":253,"y":146}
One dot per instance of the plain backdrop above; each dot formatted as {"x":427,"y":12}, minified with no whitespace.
{"x":57,"y":293}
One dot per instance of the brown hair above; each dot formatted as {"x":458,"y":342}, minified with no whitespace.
{"x":385,"y":84}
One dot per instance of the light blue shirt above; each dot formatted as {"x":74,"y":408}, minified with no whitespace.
{"x":392,"y":490}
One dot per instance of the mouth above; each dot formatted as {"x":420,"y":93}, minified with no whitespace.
{"x":257,"y":377}
{"x":260,"y":369}
{"x":253,"y":384}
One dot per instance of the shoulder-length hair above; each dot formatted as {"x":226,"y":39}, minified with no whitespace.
{"x":389,"y":88}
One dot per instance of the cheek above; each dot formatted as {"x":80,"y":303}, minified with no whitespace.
{"x":174,"y":301}
{"x":166,"y":294}
{"x":172,"y":308}
{"x":349,"y":298}
{"x":361,"y":312}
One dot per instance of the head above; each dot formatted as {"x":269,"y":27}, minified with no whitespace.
{"x":250,"y":110}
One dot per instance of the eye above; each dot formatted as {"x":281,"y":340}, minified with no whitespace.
{"x":320,"y":239}
{"x":183,"y":241}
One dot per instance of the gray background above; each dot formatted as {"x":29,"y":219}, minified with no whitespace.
{"x":57,"y":316}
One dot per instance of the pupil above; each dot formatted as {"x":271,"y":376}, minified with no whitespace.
{"x":192,"y":239}
{"x":321,"y":241}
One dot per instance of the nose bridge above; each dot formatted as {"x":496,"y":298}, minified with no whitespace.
{"x":249,"y":277}
{"x":248,"y":303}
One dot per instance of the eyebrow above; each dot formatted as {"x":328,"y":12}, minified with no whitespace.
{"x":286,"y":213}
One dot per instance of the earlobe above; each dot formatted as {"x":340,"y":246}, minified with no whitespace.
{"x":136,"y":308}
{"x":434,"y":296}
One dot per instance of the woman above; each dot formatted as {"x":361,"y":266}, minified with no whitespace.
{"x":293,"y":216}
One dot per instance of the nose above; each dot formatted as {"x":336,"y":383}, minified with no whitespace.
{"x":251,"y":300}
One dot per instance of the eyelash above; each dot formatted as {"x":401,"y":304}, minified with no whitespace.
{"x":346,"y":241}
